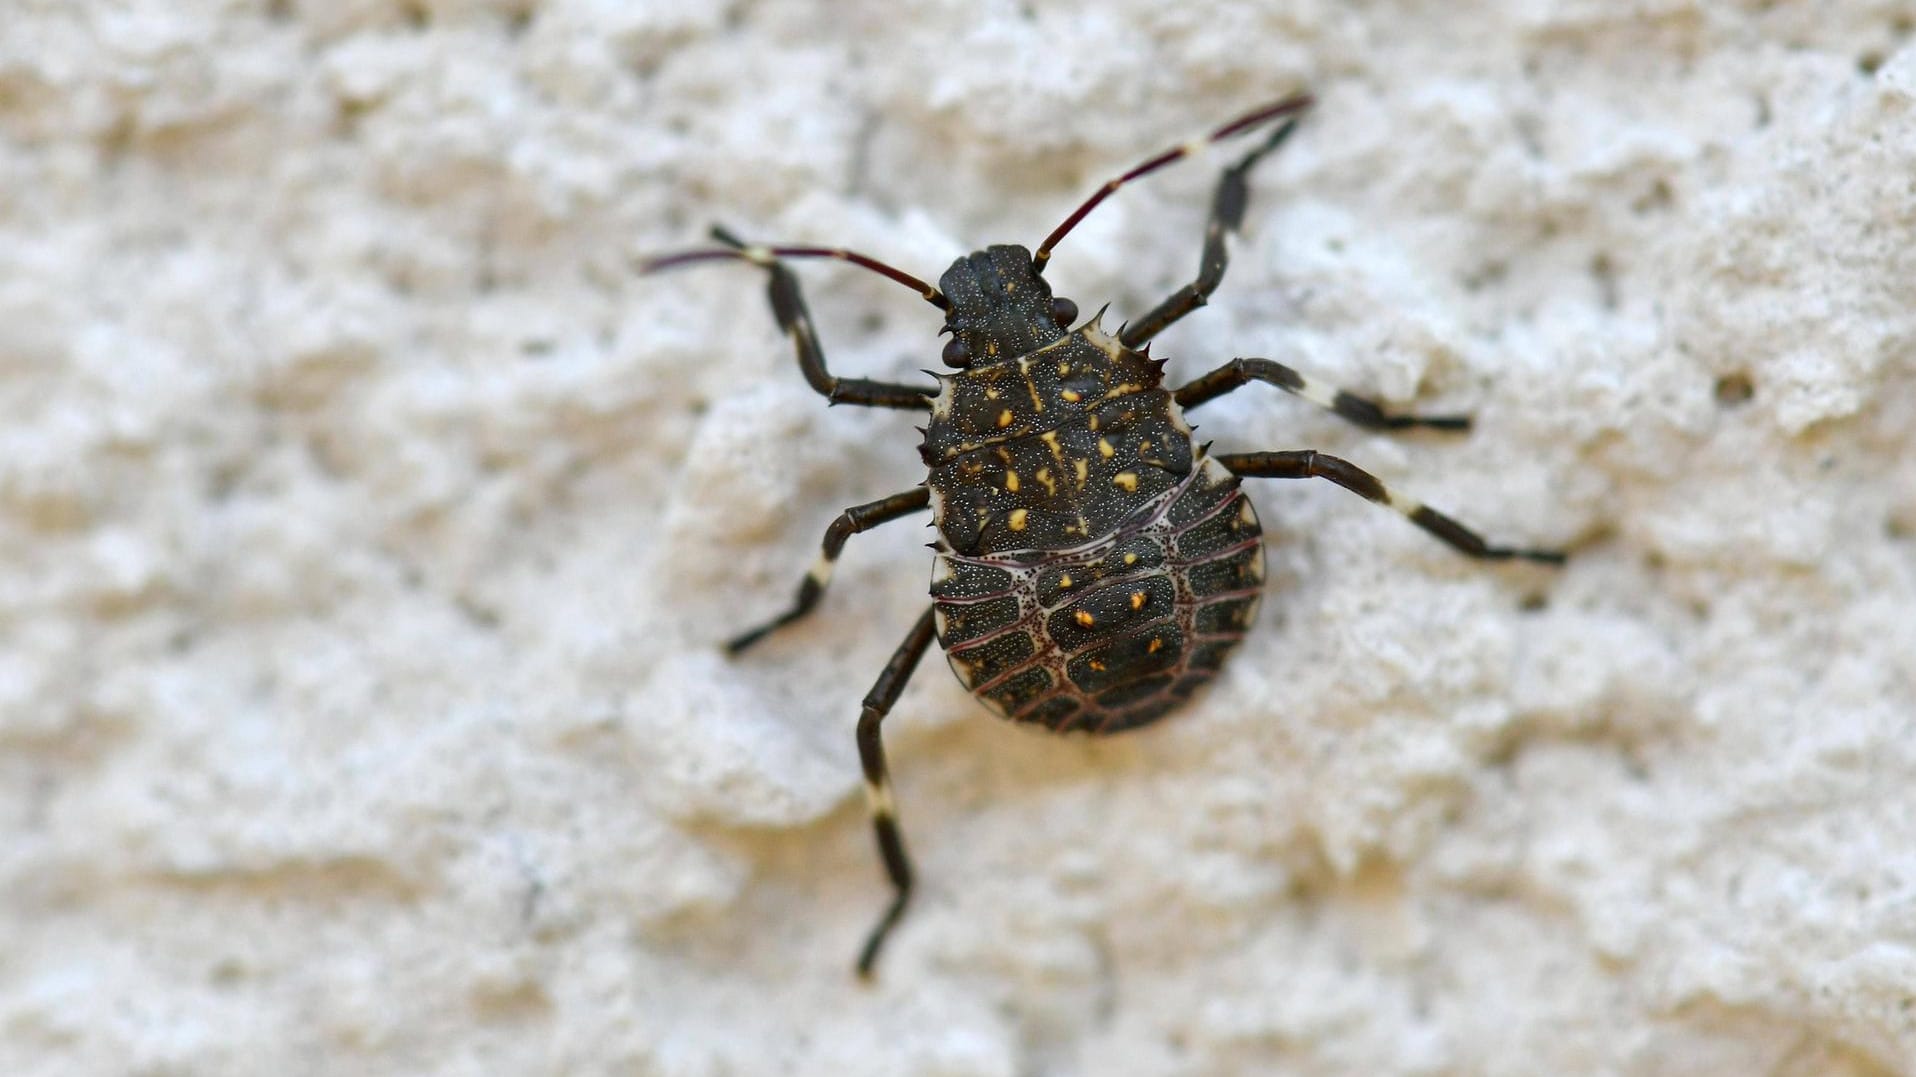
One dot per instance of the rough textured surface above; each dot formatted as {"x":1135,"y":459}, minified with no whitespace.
{"x":367,"y":530}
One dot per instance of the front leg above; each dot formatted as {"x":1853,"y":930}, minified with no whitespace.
{"x":1227,"y":216}
{"x":788,"y":307}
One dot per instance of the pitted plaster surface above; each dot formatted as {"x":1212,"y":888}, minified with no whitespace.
{"x":367,"y":531}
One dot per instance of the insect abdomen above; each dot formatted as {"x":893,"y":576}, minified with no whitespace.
{"x":1112,"y":634}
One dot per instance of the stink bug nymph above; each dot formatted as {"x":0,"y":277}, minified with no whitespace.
{"x":1093,"y":567}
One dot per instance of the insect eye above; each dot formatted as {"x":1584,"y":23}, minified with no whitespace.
{"x":956,"y":354}
{"x":1064,"y":312}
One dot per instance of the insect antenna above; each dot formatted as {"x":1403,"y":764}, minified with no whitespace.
{"x":736,"y":249}
{"x":1289,"y":106}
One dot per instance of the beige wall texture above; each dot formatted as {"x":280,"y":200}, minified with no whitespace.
{"x":368,"y":529}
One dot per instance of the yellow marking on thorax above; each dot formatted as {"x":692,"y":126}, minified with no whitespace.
{"x":1105,"y":450}
{"x":1037,"y":402}
{"x":1004,"y":418}
{"x":1095,"y":335}
{"x":1043,"y":475}
{"x":1011,"y":481}
{"x":1071,"y":396}
{"x":1083,"y":467}
{"x":1050,"y":438}
{"x":1016,"y":521}
{"x":1125,"y":480}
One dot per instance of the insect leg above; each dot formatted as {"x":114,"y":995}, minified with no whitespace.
{"x":1309,"y":464}
{"x":871,"y":755}
{"x":1241,"y":372}
{"x":1227,"y":216}
{"x":850,"y":522}
{"x":788,"y":306}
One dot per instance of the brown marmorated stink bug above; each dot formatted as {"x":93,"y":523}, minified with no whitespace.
{"x":1093,"y":567}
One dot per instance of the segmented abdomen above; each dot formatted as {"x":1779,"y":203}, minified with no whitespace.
{"x":1112,"y":634}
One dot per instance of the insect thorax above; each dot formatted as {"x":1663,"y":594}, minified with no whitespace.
{"x":1094,"y":569}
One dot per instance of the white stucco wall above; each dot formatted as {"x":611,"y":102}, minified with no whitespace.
{"x":367,"y":530}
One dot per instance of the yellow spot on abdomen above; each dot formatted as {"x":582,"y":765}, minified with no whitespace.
{"x":1130,"y":559}
{"x":1071,"y":396}
{"x":1137,"y":600}
{"x":1155,"y":646}
{"x":1011,"y":481}
{"x":1064,"y":581}
{"x":1084,"y":618}
{"x":1016,"y":521}
{"x":1104,"y":448}
{"x":1004,"y":418}
{"x":1125,"y":480}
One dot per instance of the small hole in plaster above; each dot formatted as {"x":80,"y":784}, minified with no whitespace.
{"x":1869,"y":62}
{"x":1658,"y":197}
{"x":1734,"y":389}
{"x":1536,"y":602}
{"x":1604,"y":272}
{"x":1487,"y":275}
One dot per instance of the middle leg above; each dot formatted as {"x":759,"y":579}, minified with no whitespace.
{"x":1364,"y":412}
{"x":850,"y":522}
{"x":1310,"y":464}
